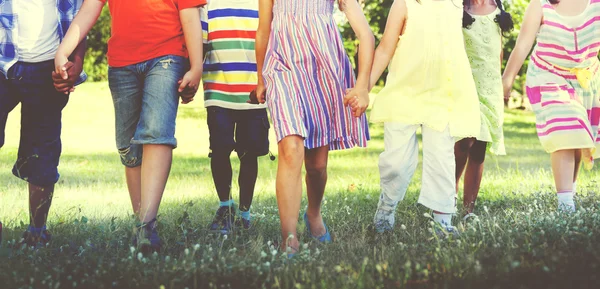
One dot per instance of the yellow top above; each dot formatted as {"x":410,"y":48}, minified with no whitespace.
{"x":430,"y":80}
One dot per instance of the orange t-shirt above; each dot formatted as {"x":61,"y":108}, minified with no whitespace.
{"x":146,"y":29}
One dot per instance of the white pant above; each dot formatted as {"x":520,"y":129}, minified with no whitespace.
{"x":398,"y":163}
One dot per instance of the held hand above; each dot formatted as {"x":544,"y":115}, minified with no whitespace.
{"x":253,"y":99}
{"x":188,"y":85}
{"x":358,"y":100}
{"x":260,"y":92}
{"x":60,"y":62}
{"x":508,"y":86}
{"x":66,"y":75}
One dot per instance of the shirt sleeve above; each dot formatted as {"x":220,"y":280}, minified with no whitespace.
{"x":204,"y":21}
{"x":184,"y":4}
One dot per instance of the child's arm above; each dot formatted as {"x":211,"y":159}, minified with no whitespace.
{"x":531,"y":25}
{"x":81,"y":25}
{"x":73,"y":69}
{"x":265,"y":17}
{"x":358,"y":97}
{"x":192,"y":31}
{"x":389,"y":41}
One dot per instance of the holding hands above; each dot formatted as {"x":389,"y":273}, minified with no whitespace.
{"x":66,"y":73}
{"x":358,"y":100}
{"x":188,"y":85}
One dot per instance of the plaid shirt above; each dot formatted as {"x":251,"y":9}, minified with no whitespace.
{"x":66,"y":9}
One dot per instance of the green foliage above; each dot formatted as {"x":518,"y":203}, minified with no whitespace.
{"x":95,"y":64}
{"x":517,"y":10}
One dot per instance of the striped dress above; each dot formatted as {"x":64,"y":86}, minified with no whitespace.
{"x":563,"y":81}
{"x":306,"y":74}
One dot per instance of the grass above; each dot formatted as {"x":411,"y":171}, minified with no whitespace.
{"x":520,"y":241}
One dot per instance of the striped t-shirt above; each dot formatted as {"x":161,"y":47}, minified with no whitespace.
{"x":229,"y":28}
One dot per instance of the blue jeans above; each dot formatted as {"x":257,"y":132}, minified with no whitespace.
{"x":41,"y":110}
{"x":146,"y":100}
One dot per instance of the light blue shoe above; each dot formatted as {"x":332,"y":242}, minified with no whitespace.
{"x":325,"y":238}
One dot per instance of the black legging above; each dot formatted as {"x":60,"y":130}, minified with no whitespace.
{"x":222,"y":176}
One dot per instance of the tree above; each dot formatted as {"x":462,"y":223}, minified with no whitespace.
{"x":95,"y":64}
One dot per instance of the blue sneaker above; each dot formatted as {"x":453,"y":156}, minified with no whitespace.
{"x":325,"y":238}
{"x":223,"y":221}
{"x":146,"y":238}
{"x":35,"y":237}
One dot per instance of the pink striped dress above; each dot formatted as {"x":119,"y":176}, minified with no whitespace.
{"x":306,"y":74}
{"x":563,"y":80}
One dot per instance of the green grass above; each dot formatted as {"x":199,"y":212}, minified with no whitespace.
{"x":519,"y":242}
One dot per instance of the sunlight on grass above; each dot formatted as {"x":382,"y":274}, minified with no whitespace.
{"x":519,"y":238}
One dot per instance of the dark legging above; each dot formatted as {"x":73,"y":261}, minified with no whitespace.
{"x":222,"y":176}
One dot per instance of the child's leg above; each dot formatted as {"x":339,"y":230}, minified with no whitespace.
{"x":221,"y":127}
{"x":8,"y":101}
{"x":155,"y":172}
{"x":40,"y":199}
{"x":156,"y":128}
{"x":577,"y":167}
{"x":461,"y":152}
{"x":40,"y":146}
{"x":127,"y":90}
{"x":563,"y":168}
{"x":397,"y":163}
{"x":439,"y":168}
{"x":316,"y":179}
{"x":247,"y":181}
{"x":252,"y":138}
{"x":289,"y":187}
{"x":133,"y":177}
{"x":473,"y":175}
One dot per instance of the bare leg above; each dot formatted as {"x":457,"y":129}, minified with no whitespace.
{"x":40,"y":199}
{"x":156,"y":166}
{"x":289,"y":187}
{"x":563,"y":166}
{"x":316,"y":179}
{"x":577,"y":164}
{"x":134,"y":185}
{"x":461,"y":155}
{"x":473,"y":175}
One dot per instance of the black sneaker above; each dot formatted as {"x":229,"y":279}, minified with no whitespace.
{"x":223,"y":221}
{"x":146,"y":238}
{"x":31,"y":239}
{"x":242,"y":223}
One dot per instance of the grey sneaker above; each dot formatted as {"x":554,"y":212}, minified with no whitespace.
{"x":384,"y":220}
{"x":444,"y":232}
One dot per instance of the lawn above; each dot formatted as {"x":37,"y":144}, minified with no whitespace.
{"x":519,"y":242}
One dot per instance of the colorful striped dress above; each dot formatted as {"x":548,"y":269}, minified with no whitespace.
{"x":306,"y":74}
{"x":563,"y":81}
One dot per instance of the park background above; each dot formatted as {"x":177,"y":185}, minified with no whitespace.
{"x":520,"y":241}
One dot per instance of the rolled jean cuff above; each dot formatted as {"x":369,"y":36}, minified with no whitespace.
{"x":160,"y":141}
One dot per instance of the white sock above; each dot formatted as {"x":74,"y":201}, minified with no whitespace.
{"x":574,"y":188}
{"x":565,"y":201}
{"x":443,"y":219}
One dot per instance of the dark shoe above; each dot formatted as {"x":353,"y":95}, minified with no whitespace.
{"x":242,"y":223}
{"x":36,"y":240}
{"x":146,"y":238}
{"x":223,"y":221}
